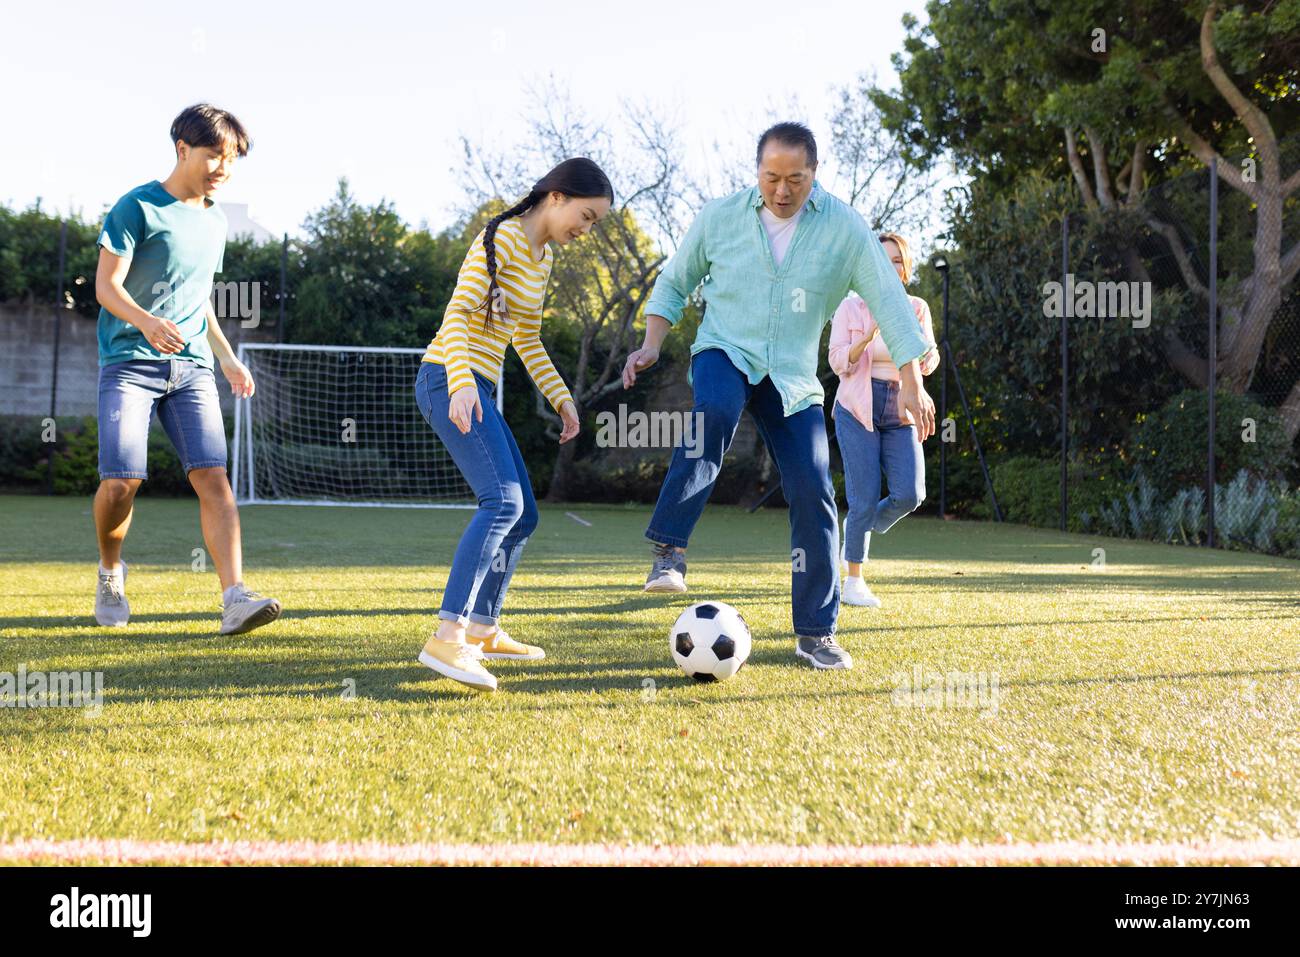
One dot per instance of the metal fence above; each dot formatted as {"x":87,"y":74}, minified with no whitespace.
{"x":1180,"y":433}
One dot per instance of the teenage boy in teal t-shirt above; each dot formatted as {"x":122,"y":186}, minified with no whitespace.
{"x":158,"y":336}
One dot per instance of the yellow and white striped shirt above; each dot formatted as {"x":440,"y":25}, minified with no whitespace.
{"x":462,"y":342}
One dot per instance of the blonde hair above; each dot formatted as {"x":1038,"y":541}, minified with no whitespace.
{"x":903,"y":249}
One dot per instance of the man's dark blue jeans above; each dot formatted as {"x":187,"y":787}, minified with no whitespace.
{"x":798,"y":445}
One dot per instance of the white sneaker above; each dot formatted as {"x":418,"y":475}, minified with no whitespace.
{"x":856,"y":592}
{"x":111,"y":608}
{"x":248,"y":610}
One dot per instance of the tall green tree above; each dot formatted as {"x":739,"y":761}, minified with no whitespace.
{"x":368,"y":279}
{"x":1119,"y":96}
{"x":29,"y":258}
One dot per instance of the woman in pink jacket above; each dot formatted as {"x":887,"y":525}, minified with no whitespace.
{"x":870,"y":433}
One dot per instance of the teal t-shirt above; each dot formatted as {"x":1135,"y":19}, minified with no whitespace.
{"x":174,"y":250}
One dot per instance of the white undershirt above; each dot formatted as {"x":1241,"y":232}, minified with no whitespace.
{"x":779,"y":231}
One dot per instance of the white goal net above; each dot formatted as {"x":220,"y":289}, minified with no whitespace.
{"x":338,"y":425}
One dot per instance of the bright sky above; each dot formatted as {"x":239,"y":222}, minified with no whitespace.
{"x":380,"y":91}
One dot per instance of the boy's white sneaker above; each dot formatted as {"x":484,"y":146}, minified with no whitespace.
{"x":244,"y":609}
{"x":856,"y":592}
{"x":111,"y":608}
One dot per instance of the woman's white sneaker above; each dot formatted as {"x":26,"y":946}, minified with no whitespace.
{"x":111,"y":608}
{"x":856,"y":592}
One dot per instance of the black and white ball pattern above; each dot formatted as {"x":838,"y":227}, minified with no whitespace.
{"x":710,"y":641}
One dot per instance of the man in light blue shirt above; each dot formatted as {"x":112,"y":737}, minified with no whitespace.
{"x":775,"y":260}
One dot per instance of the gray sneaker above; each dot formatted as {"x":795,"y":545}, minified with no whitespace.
{"x":249,"y":610}
{"x":111,"y":608}
{"x":668,"y":573}
{"x":823,"y":653}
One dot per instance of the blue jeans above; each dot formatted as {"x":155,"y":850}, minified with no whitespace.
{"x":893,"y":446}
{"x":798,"y":446}
{"x":489,"y":459}
{"x":185,"y":397}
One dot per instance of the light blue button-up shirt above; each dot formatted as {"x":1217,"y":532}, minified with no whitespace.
{"x":769,"y":319}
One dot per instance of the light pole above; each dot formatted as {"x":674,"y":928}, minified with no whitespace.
{"x":941,"y":264}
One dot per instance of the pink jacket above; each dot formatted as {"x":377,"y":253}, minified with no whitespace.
{"x":852,"y":323}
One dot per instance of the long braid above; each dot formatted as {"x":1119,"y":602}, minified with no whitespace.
{"x":490,"y":251}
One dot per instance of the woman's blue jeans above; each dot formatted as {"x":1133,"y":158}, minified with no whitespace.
{"x":489,"y":459}
{"x":891,"y":445}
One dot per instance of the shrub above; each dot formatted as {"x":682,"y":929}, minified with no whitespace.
{"x":1287,"y":536}
{"x":1169,"y":445}
{"x":22,"y":444}
{"x":638,"y":482}
{"x":966,"y":493}
{"x":76,"y":460}
{"x":25,"y":457}
{"x":1246,"y":511}
{"x":1029,"y":491}
{"x":1249,"y":513}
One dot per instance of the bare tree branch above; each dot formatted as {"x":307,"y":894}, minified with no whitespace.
{"x":1290,"y":411}
{"x":1250,"y":115}
{"x":1290,"y":265}
{"x":881,"y":185}
{"x":1185,"y":267}
{"x":1137,"y":173}
{"x":1100,"y":168}
{"x":1076,"y":167}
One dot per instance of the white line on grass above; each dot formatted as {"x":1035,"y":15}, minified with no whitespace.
{"x":373,"y":852}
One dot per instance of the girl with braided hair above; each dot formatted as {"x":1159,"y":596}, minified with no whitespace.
{"x":498,"y":302}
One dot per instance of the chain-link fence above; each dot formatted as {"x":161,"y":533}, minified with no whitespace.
{"x":1127,"y":361}
{"x":1237,"y":490}
{"x":1138,"y":359}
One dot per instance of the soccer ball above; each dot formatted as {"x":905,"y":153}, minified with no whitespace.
{"x":710,"y":641}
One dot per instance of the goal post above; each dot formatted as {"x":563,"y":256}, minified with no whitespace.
{"x":338,"y":425}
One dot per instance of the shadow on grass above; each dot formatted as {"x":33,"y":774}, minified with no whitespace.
{"x":867,"y":628}
{"x":87,"y":630}
{"x":670,"y":693}
{"x":190,"y":679}
{"x":180,"y":679}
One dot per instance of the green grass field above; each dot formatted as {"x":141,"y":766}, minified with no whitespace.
{"x":1153,"y":700}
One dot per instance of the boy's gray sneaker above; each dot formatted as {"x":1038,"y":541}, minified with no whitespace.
{"x":248,"y":610}
{"x":111,"y":608}
{"x":668,"y":573}
{"x":823,"y":653}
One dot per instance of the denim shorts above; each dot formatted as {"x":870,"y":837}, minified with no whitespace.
{"x":185,"y":396}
